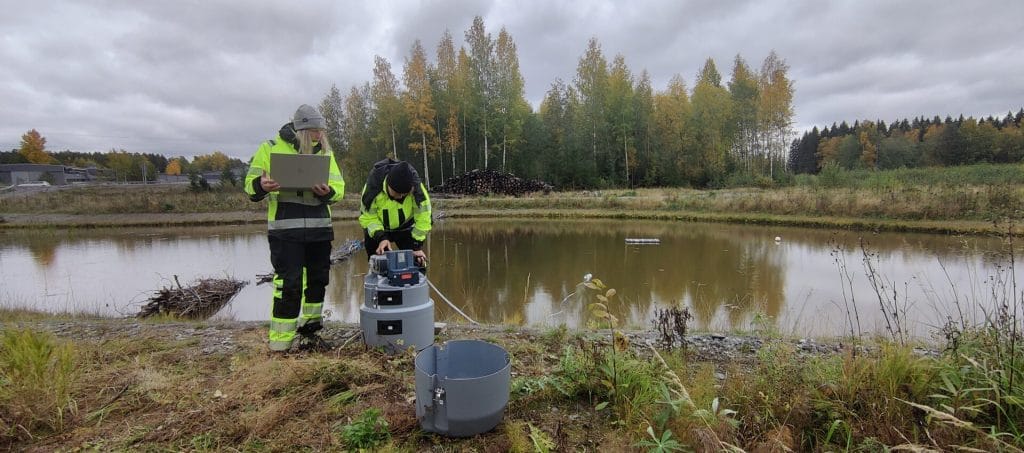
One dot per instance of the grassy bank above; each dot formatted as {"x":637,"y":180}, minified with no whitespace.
{"x":951,"y":200}
{"x":125,"y":385}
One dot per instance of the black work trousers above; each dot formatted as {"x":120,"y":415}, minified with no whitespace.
{"x":289,"y":259}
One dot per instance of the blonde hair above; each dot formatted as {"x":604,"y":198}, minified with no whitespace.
{"x":306,"y":141}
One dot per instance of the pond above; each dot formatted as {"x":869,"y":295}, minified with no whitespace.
{"x":517,"y":271}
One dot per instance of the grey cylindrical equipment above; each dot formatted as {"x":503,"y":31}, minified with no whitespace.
{"x":462,"y":387}
{"x":395,"y":317}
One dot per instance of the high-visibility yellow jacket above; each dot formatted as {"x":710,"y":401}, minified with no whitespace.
{"x":301,"y":215}
{"x":379,"y":214}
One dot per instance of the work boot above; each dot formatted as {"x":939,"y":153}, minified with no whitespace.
{"x":310,"y":329}
{"x":314,"y":343}
{"x":309,"y":337}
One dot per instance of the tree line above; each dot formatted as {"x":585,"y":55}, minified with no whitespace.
{"x":117,"y":164}
{"x":465,"y":109}
{"x":913,"y":143}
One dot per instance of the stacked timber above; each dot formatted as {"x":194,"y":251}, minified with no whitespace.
{"x":490,"y":182}
{"x":197,"y":301}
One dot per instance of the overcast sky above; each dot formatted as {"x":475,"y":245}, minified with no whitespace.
{"x":192,"y":77}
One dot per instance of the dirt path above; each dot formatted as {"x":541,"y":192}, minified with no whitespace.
{"x":141,"y":219}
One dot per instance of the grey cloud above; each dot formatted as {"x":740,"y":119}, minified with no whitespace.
{"x":191,"y":77}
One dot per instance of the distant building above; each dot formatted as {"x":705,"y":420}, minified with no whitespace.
{"x":58,"y":175}
{"x":213,"y":177}
{"x":169,"y":179}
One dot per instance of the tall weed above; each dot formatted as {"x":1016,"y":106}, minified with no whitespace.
{"x":36,"y":376}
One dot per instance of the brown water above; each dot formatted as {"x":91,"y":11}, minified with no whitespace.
{"x":520,"y":272}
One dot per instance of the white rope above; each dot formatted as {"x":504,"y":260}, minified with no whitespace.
{"x":450,"y":304}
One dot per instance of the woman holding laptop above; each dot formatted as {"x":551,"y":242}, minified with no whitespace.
{"x":299,"y":228}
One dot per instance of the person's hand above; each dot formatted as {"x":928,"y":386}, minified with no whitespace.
{"x":384,"y":246}
{"x":421,"y":258}
{"x":267,"y":183}
{"x":321,"y":189}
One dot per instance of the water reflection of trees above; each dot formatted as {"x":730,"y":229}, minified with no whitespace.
{"x":43,"y":250}
{"x":488,"y":265}
{"x":41,"y":244}
{"x":512,"y":270}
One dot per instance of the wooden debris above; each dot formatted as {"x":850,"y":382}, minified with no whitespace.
{"x":264,"y":278}
{"x":483,"y":182}
{"x":346,"y":250}
{"x":197,"y":301}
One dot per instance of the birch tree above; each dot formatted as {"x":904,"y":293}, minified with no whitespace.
{"x":745,"y":94}
{"x":359,"y":154}
{"x":419,"y":104}
{"x":387,"y":104}
{"x":448,"y":99}
{"x":511,"y":106}
{"x":710,"y":123}
{"x":333,"y":112}
{"x":591,"y":85}
{"x":620,"y":111}
{"x":643,"y":107}
{"x":482,"y":79}
{"x":775,"y":109}
{"x":671,"y":131}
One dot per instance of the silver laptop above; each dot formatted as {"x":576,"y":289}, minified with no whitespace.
{"x":300,"y":171}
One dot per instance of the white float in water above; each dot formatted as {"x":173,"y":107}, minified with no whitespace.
{"x":643,"y":241}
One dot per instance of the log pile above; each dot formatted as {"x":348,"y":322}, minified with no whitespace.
{"x":197,"y":301}
{"x":490,"y":182}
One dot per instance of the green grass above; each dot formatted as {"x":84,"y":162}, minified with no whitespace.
{"x":115,"y":390}
{"x":138,"y":199}
{"x":37,"y":374}
{"x":973,"y":175}
{"x":368,"y":431}
{"x":956,"y":200}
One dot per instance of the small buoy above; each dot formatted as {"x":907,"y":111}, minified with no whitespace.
{"x":778,"y":239}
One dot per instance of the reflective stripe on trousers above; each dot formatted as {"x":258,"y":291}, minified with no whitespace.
{"x":282,"y":332}
{"x":310,"y":312}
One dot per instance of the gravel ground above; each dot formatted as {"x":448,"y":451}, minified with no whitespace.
{"x":233,"y":336}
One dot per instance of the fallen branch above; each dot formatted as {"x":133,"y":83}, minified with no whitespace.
{"x":197,"y":301}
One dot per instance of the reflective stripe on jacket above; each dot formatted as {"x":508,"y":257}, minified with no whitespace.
{"x":385,"y":214}
{"x":300,"y":215}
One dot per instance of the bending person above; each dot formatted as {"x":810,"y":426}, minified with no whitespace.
{"x":395,"y":210}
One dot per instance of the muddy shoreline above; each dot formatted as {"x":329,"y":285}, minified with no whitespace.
{"x":226,"y":337}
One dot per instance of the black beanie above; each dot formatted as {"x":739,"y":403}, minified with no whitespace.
{"x":401,"y":177}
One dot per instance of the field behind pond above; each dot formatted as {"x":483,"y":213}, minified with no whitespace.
{"x":945,"y":200}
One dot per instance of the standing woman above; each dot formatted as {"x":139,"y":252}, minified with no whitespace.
{"x":299,"y":229}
